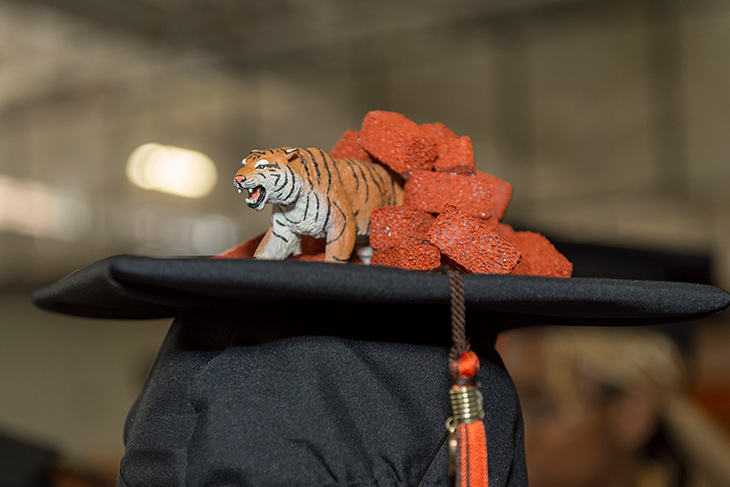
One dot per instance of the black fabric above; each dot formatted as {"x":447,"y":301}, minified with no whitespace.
{"x":23,"y":464}
{"x":304,"y":411}
{"x":141,"y":287}
{"x":594,"y":260}
{"x":310,"y":374}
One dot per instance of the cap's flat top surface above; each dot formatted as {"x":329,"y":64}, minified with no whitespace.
{"x":132,"y":287}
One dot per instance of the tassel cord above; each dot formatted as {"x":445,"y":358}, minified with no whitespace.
{"x":467,"y":436}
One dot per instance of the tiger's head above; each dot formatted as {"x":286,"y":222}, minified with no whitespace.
{"x":268,"y":177}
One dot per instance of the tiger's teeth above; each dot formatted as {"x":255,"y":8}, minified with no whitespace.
{"x":250,"y":190}
{"x":239,"y":191}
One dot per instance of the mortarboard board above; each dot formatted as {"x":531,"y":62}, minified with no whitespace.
{"x":303,"y":373}
{"x":306,"y":373}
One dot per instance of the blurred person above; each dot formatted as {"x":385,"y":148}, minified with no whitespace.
{"x":607,"y":408}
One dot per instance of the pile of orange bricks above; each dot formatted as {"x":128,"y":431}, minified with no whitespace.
{"x":451,"y":212}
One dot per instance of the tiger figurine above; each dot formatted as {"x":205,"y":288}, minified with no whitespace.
{"x":314,"y":194}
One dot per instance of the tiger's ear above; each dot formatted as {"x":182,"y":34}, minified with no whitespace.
{"x":291,"y":153}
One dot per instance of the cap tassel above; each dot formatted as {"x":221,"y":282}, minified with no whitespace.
{"x":467,"y":438}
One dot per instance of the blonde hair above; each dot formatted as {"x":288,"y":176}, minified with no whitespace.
{"x":627,"y":359}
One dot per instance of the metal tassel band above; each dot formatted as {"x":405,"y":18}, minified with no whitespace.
{"x":466,"y":404}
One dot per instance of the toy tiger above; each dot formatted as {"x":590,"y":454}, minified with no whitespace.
{"x":314,"y":194}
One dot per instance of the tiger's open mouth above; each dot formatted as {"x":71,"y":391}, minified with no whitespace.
{"x":256,"y":197}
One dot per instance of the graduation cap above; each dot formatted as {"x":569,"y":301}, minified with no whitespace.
{"x":302,"y":373}
{"x":308,"y":373}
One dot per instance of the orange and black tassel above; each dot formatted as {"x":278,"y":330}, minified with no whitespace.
{"x":467,"y":440}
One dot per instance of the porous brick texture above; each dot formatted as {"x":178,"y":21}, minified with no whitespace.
{"x":470,"y":244}
{"x":539,"y":256}
{"x":419,"y":257}
{"x":395,"y":226}
{"x":399,"y":143}
{"x":481,"y":195}
{"x":455,"y":154}
{"x":348,"y":147}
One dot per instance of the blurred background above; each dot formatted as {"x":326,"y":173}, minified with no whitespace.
{"x":610,"y":118}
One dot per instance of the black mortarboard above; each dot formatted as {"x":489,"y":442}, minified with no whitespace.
{"x":302,"y":373}
{"x":597,"y":260}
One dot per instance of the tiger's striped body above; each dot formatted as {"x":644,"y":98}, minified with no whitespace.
{"x":314,"y":194}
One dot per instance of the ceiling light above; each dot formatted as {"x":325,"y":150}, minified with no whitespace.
{"x":173,"y":170}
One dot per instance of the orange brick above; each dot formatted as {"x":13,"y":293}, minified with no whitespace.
{"x":481,"y":195}
{"x":455,"y":154}
{"x":395,"y":226}
{"x":472,"y":245}
{"x":440,"y":131}
{"x":349,"y":147}
{"x":397,"y":142}
{"x":419,"y":257}
{"x":539,"y":256}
